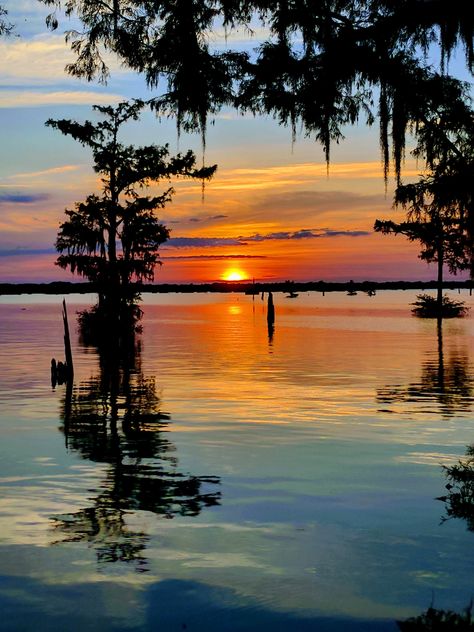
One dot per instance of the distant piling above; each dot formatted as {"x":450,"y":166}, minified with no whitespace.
{"x":270,"y":310}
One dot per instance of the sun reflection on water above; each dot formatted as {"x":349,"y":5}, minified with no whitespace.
{"x":280,"y":472}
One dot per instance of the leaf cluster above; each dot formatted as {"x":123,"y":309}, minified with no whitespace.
{"x":132,"y":168}
{"x":83,"y":238}
{"x":5,"y":27}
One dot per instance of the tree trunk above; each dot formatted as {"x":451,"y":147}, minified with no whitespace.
{"x":113,"y":291}
{"x":439,"y":294}
{"x":440,"y":354}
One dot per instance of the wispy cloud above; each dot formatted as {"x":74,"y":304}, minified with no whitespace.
{"x":202,"y":242}
{"x":38,"y":61}
{"x":292,"y":195}
{"x":44,"y":172}
{"x":319,"y":201}
{"x":290,"y":175}
{"x":213,"y":257}
{"x":34,"y":98}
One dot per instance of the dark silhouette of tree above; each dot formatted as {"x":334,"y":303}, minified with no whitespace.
{"x":116,"y":418}
{"x":323,"y":65}
{"x":440,"y":233}
{"x":5,"y":27}
{"x":112,"y":239}
{"x":434,"y":620}
{"x":446,"y":143}
{"x":440,"y":206}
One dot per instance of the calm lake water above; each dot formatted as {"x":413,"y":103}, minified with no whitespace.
{"x":228,"y":478}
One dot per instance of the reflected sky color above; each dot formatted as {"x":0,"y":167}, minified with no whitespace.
{"x":327,"y":512}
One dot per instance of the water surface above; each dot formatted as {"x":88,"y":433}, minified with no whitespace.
{"x":222,"y":476}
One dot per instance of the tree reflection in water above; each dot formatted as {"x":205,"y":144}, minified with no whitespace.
{"x":459,"y":501}
{"x":449,"y":384}
{"x":446,"y":382}
{"x":115,"y":418}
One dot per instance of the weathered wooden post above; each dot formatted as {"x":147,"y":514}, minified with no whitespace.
{"x":67,"y":345}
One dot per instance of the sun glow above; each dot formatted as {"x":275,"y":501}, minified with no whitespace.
{"x":234,"y":274}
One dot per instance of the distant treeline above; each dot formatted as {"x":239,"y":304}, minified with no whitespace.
{"x":62,"y":287}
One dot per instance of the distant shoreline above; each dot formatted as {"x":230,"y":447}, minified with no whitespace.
{"x":244,"y":287}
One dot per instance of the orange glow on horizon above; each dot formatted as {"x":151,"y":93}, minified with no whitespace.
{"x":262,"y":229}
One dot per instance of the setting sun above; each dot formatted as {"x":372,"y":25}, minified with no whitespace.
{"x":234,"y":275}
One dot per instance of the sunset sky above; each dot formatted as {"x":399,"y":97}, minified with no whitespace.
{"x":271,"y":212}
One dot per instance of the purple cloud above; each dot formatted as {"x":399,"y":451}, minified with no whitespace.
{"x":214,"y":257}
{"x":305,"y":233}
{"x":22,"y":198}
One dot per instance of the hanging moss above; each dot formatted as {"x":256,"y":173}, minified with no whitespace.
{"x":320,"y":66}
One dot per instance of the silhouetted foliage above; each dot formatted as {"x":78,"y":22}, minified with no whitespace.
{"x":437,"y":221}
{"x":321,"y":64}
{"x":446,"y":143}
{"x":434,"y":620}
{"x":440,"y":236}
{"x":112,"y":239}
{"x":427,"y":306}
{"x":116,"y":418}
{"x":5,"y":27}
{"x":440,"y":206}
